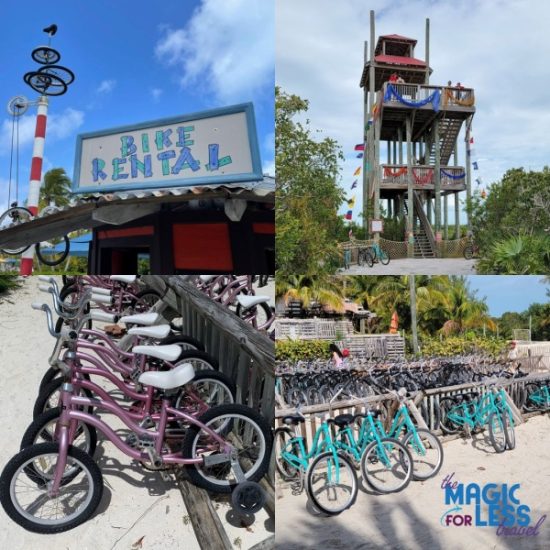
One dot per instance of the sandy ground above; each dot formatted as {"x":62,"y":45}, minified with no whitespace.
{"x":416,"y":266}
{"x":136,"y":503}
{"x":411,"y":519}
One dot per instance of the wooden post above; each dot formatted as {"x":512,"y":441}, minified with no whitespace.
{"x":400,"y":141}
{"x":376,"y":164}
{"x":457,"y":216}
{"x":366,"y":152}
{"x":445,"y":217}
{"x":375,"y":160}
{"x":394,"y":151}
{"x":468,"y":170}
{"x":429,"y":207}
{"x":388,"y":146}
{"x":427,"y":79}
{"x":410,"y":202}
{"x":437,"y":185}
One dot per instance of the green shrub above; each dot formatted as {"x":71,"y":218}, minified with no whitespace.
{"x":457,"y":345}
{"x":7,"y":282}
{"x":298,"y":350}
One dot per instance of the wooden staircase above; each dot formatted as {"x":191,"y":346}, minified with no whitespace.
{"x":449,"y":128}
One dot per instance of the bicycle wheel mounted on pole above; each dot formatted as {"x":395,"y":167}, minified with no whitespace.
{"x":14,"y":216}
{"x":53,"y":254}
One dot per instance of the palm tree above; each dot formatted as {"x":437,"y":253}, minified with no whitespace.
{"x":56,"y":188}
{"x":327,"y":291}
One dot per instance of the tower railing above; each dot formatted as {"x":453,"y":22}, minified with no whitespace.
{"x":421,"y":174}
{"x":450,"y":95}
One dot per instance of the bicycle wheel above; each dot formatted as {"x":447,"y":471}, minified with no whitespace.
{"x":26,"y":499}
{"x":186,"y":343}
{"x":62,"y":73}
{"x":42,"y":430}
{"x":248,"y":433}
{"x":262,"y":313}
{"x":360,"y":258}
{"x":384,"y":257}
{"x":497,"y":431}
{"x":199,"y":359}
{"x":369,"y":259}
{"x":387,"y":466}
{"x":45,"y":55}
{"x":295,"y":397}
{"x":145,"y":300}
{"x":447,"y":426}
{"x":281,"y":440}
{"x":50,"y":395}
{"x":69,"y":295}
{"x":510,"y":432}
{"x":52,"y":254}
{"x":468,"y":252}
{"x":532,"y":389}
{"x":212,"y":387}
{"x":331,"y":483}
{"x":11,"y":217}
{"x":426,"y":451}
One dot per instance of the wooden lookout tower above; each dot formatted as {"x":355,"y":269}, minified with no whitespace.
{"x":411,"y":162}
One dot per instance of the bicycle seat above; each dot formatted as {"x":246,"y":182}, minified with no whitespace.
{"x":123,"y":278}
{"x":141,"y":318}
{"x":250,"y":301}
{"x":168,"y":379}
{"x":166,"y":353}
{"x":343,"y":420}
{"x":293,"y":419}
{"x":207,"y":278}
{"x":157,"y":331}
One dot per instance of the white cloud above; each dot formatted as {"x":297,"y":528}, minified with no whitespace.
{"x":499,"y":48}
{"x":156,"y":93}
{"x":59,"y":126}
{"x":226,"y":48}
{"x":106,"y":86}
{"x":269,"y":168}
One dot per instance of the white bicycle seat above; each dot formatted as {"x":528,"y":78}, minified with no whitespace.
{"x":167,"y":353}
{"x":123,"y":278}
{"x":147,"y":319}
{"x":250,"y":301}
{"x":166,"y":380}
{"x":157,"y":331}
{"x":206,"y":278}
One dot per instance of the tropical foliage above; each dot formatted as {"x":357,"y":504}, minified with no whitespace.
{"x":56,"y":188}
{"x":512,"y":224}
{"x":308,"y":196}
{"x":7,"y":282}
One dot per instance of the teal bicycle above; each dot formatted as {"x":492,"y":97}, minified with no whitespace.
{"x":537,"y":396}
{"x":476,"y":411}
{"x":378,"y":254}
{"x":425,"y":448}
{"x":331,"y":481}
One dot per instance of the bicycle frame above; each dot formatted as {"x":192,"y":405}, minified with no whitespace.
{"x":483,"y":407}
{"x":70,"y":416}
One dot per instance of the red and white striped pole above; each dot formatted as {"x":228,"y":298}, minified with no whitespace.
{"x":36,"y":177}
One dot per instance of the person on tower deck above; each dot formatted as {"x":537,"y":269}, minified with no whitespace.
{"x":458,"y":92}
{"x":400,"y":80}
{"x":393,"y":78}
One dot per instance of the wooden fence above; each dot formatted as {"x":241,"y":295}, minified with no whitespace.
{"x":374,"y":346}
{"x":312,"y":329}
{"x":244,"y":354}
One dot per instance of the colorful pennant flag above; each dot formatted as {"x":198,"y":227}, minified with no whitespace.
{"x":471,"y":139}
{"x":359,"y":155}
{"x":474,"y":164}
{"x":351,"y":202}
{"x":354,"y":184}
{"x":348,"y":215}
{"x":360,"y":147}
{"x":357,"y":172}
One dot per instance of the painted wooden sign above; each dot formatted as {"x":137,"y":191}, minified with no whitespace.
{"x":211,"y":147}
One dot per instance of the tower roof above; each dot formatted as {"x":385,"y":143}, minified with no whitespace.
{"x":399,"y":60}
{"x":395,"y":44}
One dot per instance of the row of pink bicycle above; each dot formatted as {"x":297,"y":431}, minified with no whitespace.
{"x":179,"y":413}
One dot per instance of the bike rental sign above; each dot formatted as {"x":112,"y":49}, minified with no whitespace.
{"x":212,"y":147}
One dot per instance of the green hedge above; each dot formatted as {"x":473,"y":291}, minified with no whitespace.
{"x":459,"y":345}
{"x":8,"y":281}
{"x":296,"y":350}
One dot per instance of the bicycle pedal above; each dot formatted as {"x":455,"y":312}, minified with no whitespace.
{"x":165,"y":475}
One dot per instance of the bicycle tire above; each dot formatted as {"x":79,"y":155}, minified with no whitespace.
{"x":401,"y":468}
{"x":37,"y":428}
{"x":319,"y":462}
{"x":369,"y":260}
{"x":47,"y":393}
{"x":468,"y":252}
{"x":510,"y":432}
{"x":498,"y":442}
{"x":140,"y":301}
{"x":45,"y":55}
{"x":22,"y":515}
{"x":424,"y":468}
{"x":224,"y":383}
{"x":27,"y":215}
{"x":43,"y":259}
{"x":185,"y":342}
{"x":384,"y":257}
{"x":201,"y":360}
{"x":530,"y":405}
{"x":447,"y":426}
{"x":281,"y":438}
{"x":266,"y":309}
{"x":202,"y":476}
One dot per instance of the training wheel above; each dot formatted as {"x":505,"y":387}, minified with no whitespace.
{"x":248,"y":497}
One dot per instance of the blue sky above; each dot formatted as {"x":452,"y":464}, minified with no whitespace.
{"x":509,"y":293}
{"x":136,"y":62}
{"x":498,"y":48}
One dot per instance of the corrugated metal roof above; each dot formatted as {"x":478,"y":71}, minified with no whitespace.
{"x":86,"y":211}
{"x":398,"y":37}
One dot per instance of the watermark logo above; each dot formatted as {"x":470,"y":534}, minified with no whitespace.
{"x":488,"y":505}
